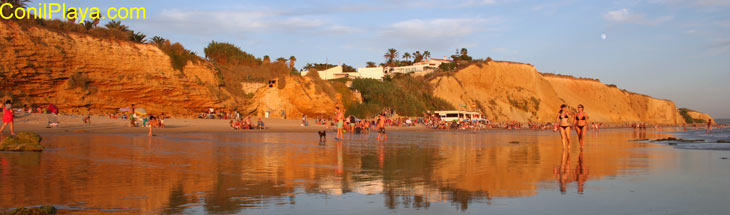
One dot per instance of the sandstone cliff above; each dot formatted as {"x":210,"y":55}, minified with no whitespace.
{"x":507,"y":91}
{"x":692,"y":116}
{"x":84,"y":74}
{"x":80,"y":73}
{"x":503,"y":91}
{"x":298,"y":96}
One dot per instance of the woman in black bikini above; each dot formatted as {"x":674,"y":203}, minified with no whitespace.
{"x":564,"y":123}
{"x":581,"y":124}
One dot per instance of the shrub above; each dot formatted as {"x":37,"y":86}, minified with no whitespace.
{"x":228,"y":54}
{"x":407,"y":95}
{"x":179,"y":56}
{"x":318,"y":66}
{"x":78,"y":80}
{"x":687,"y":118}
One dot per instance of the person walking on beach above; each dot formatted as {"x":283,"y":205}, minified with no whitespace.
{"x":709,"y":127}
{"x":339,"y":120}
{"x":564,"y":126}
{"x":152,"y":118}
{"x":381,"y":128}
{"x":581,"y":125}
{"x":8,"y":117}
{"x":131,"y":117}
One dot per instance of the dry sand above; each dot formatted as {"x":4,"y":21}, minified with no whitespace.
{"x":101,"y":124}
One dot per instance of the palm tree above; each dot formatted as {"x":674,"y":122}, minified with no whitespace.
{"x":281,"y":60}
{"x":391,"y":55}
{"x":72,"y":20}
{"x":116,"y":25}
{"x":426,"y":55}
{"x":267,"y":59}
{"x":417,"y":56}
{"x":292,"y":61}
{"x":88,"y":25}
{"x":157,"y":40}
{"x":406,"y":56}
{"x":370,"y":64}
{"x":7,"y":11}
{"x":137,"y":37}
{"x":464,"y":52}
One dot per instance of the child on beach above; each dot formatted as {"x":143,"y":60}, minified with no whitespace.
{"x":8,"y":117}
{"x":260,"y":124}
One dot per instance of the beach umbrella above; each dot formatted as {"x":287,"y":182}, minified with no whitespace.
{"x":125,"y":109}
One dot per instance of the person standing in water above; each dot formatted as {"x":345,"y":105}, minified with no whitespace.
{"x":707,"y":131}
{"x":8,"y":117}
{"x":564,"y":126}
{"x":581,"y":125}
{"x":340,"y":120}
{"x":152,"y":118}
{"x":381,"y":127}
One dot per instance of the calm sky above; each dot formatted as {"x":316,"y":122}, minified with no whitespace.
{"x":670,"y":49}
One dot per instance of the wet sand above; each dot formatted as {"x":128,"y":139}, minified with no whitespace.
{"x":436,"y":172}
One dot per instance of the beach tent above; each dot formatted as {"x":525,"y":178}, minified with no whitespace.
{"x":140,"y":111}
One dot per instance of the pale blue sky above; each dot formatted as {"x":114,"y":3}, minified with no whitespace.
{"x":669,"y":49}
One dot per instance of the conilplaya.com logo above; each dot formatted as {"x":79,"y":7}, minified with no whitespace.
{"x":16,"y":9}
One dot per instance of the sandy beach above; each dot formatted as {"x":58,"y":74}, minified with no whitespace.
{"x":104,"y":125}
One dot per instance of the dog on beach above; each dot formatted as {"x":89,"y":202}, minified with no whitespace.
{"x":322,"y":136}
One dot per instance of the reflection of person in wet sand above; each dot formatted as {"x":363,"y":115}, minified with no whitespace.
{"x":564,"y":126}
{"x":581,"y":172}
{"x":563,"y":171}
{"x":340,"y":162}
{"x":381,"y":154}
{"x":709,"y":127}
{"x":581,"y":125}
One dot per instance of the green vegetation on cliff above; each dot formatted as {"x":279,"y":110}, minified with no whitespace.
{"x":407,"y":95}
{"x":236,"y":66}
{"x":687,"y":118}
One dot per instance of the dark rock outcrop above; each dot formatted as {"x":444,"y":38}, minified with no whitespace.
{"x":23,"y":141}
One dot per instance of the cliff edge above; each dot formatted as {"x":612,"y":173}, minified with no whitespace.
{"x":507,"y":91}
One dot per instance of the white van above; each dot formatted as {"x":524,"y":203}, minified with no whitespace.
{"x":455,"y":115}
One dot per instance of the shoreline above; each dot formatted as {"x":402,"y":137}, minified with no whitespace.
{"x":73,"y":124}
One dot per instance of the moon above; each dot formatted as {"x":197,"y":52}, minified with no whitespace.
{"x":603,"y":36}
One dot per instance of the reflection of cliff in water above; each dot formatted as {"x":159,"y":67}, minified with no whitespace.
{"x":228,"y":173}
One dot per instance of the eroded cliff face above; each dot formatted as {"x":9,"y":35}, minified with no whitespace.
{"x":609,"y":104}
{"x":84,"y":74}
{"x":503,"y":91}
{"x":507,"y":91}
{"x":298,"y":96}
{"x":703,"y":117}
